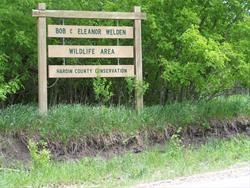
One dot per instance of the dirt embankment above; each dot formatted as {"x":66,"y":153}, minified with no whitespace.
{"x":14,"y":147}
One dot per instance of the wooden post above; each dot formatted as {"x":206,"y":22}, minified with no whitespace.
{"x":42,"y":62}
{"x":138,"y":60}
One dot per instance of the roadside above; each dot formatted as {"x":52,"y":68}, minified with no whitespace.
{"x":237,"y":176}
{"x":116,"y":147}
{"x":159,"y":163}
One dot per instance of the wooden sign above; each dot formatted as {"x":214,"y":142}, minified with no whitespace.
{"x":69,"y":31}
{"x":69,"y":51}
{"x":65,"y":51}
{"x":90,"y":71}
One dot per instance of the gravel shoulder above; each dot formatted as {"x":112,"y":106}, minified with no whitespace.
{"x":236,"y":176}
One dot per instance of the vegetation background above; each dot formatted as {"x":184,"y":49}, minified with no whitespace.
{"x":192,"y":49}
{"x":193,"y":52}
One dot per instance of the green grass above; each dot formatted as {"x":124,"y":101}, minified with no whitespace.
{"x":171,"y":160}
{"x":65,"y":122}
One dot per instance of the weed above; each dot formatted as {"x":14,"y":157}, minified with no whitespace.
{"x":40,"y":159}
{"x":102,"y":89}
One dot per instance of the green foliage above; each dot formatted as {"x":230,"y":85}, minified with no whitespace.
{"x":130,"y":84}
{"x":10,"y":86}
{"x":102,"y":89}
{"x":241,"y":44}
{"x":141,"y":87}
{"x":133,"y":84}
{"x":194,"y":46}
{"x":176,"y":139}
{"x":203,"y":64}
{"x":40,"y":158}
{"x":17,"y":46}
{"x":191,"y":50}
{"x":165,"y":162}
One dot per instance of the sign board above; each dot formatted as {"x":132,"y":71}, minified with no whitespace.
{"x":66,"y":51}
{"x":71,"y":51}
{"x":90,"y":71}
{"x":70,"y":31}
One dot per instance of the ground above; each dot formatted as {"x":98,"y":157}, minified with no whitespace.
{"x":237,"y":176}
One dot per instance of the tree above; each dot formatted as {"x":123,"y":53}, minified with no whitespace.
{"x":192,"y":49}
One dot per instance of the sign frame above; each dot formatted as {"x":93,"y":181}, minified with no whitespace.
{"x":42,"y":14}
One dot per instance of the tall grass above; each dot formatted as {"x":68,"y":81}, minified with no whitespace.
{"x":72,"y":121}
